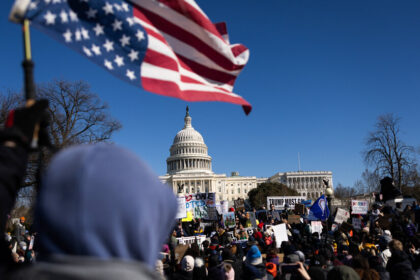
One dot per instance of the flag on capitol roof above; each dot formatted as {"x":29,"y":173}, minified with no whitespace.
{"x":166,"y":47}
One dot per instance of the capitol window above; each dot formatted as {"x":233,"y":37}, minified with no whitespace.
{"x":233,"y":191}
{"x":239,"y":190}
{"x":220,"y":189}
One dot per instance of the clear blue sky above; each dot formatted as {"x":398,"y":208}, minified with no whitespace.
{"x":319,"y":75}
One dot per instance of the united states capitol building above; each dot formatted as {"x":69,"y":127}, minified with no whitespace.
{"x":189,"y":170}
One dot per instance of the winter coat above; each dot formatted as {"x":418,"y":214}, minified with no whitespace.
{"x":215,"y":272}
{"x":400,"y":267}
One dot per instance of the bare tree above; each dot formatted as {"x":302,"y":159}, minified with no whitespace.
{"x":385,"y":150}
{"x":77,"y":116}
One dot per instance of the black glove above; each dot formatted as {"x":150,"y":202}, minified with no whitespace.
{"x":20,"y":125}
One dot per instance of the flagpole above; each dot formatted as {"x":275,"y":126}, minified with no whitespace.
{"x":28,"y":65}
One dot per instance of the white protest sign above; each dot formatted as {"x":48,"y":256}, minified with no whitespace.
{"x":357,"y":224}
{"x":316,"y":227}
{"x":191,"y":239}
{"x":249,"y":231}
{"x":341,"y":216}
{"x":198,"y":203}
{"x":182,"y":211}
{"x":359,"y":207}
{"x":280,"y":201}
{"x":280,"y":233}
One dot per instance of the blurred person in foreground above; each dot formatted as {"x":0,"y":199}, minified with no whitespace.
{"x":117,"y":213}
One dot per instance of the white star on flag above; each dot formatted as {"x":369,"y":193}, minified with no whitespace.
{"x":133,"y":55}
{"x":64,"y":17}
{"x":130,"y":74}
{"x":99,"y":29}
{"x":124,"y":7}
{"x":108,"y":8}
{"x":91,"y":13}
{"x":130,"y":21}
{"x":87,"y":51}
{"x":117,"y":25}
{"x":78,"y":35}
{"x":67,"y":36}
{"x":56,"y":1}
{"x":119,"y":60}
{"x":85,"y":34}
{"x":47,"y":1}
{"x":96,"y":49}
{"x":125,"y":40}
{"x":33,"y":5}
{"x":117,"y":7}
{"x":108,"y":64}
{"x":109,"y":46}
{"x":73,"y":16}
{"x":140,"y":35}
{"x":49,"y":18}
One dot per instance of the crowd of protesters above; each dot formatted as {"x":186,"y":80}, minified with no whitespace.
{"x":101,"y":213}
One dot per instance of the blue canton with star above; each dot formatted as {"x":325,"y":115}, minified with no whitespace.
{"x":104,"y":31}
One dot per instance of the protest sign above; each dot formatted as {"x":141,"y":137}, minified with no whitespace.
{"x":293,"y":219}
{"x":359,"y":207}
{"x":280,"y":201}
{"x":229,"y":220}
{"x":341,"y":216}
{"x":180,"y":252}
{"x":253,"y":219}
{"x":300,"y":209}
{"x":182,"y":211}
{"x":197,"y":205}
{"x":280,"y":234}
{"x":316,"y":227}
{"x":249,"y":231}
{"x":188,"y":240}
{"x":334,"y":227}
{"x":357,"y":224}
{"x":239,"y":204}
{"x":212,"y":213}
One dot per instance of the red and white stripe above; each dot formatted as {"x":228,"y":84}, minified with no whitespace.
{"x":188,"y":57}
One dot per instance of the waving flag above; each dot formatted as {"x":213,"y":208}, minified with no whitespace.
{"x":319,"y":210}
{"x":167,"y":47}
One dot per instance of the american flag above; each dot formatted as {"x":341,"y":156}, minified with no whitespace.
{"x":167,"y":47}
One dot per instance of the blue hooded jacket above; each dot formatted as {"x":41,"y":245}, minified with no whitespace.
{"x":103,"y":201}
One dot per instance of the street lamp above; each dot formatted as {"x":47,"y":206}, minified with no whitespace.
{"x":329,"y":193}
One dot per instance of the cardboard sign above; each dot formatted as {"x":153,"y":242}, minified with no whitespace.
{"x":280,"y":234}
{"x":180,"y":252}
{"x":253,"y":219}
{"x":316,"y":227}
{"x":341,"y":216}
{"x":300,"y":209}
{"x":229,"y":220}
{"x":182,"y":210}
{"x":197,"y":205}
{"x":359,"y":207}
{"x":357,"y":224}
{"x":293,"y":219}
{"x":239,"y":204}
{"x":280,"y":201}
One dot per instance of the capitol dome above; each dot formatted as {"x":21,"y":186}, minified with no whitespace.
{"x":188,"y":153}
